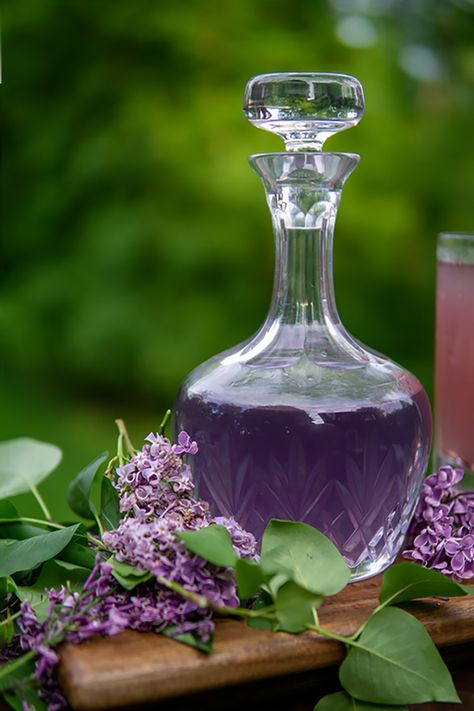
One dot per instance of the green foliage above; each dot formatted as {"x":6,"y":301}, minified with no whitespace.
{"x":24,"y":463}
{"x":341,"y":701}
{"x":212,"y":543}
{"x":407,"y":581}
{"x":395,"y":662}
{"x":28,"y":554}
{"x":79,"y":495}
{"x":109,"y":505}
{"x":54,"y":574}
{"x":249,"y":578}
{"x":294,"y":607}
{"x":305,"y":555}
{"x":127,"y":575}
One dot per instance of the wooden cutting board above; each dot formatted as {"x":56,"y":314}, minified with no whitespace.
{"x":135,"y":668}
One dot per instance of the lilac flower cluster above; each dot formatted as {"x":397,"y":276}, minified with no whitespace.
{"x":73,"y":617}
{"x":155,"y":490}
{"x":441,"y":535}
{"x":156,"y":499}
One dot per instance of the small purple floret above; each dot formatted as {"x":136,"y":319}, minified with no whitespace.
{"x":441,"y":535}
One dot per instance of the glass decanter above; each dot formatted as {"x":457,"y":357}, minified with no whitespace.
{"x":302,"y":421}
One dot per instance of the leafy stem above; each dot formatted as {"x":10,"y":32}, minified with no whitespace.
{"x":203,"y":602}
{"x":123,"y":439}
{"x":40,"y":501}
{"x":10,"y":618}
{"x":164,"y":422}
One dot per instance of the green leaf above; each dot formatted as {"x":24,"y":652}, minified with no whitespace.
{"x":7,"y":510}
{"x":78,"y":554}
{"x":303,"y":552}
{"x":408,"y":581}
{"x":28,"y":554}
{"x":109,"y":505}
{"x":294,"y":607}
{"x":7,"y":586}
{"x":127,"y":575}
{"x":189,"y":638}
{"x":11,"y":673}
{"x":263,"y":600}
{"x":249,"y":578}
{"x":343,"y":702}
{"x":54,"y":573}
{"x":25,"y":463}
{"x":19,"y":684}
{"x":7,"y":629}
{"x":396,"y":662}
{"x":79,"y":490}
{"x":212,"y":543}
{"x":20,"y":531}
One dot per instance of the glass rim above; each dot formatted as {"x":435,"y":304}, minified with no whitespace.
{"x":456,"y":247}
{"x":459,"y":234}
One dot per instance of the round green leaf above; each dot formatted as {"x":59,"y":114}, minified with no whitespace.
{"x":212,"y":543}
{"x":294,"y":607}
{"x":396,"y":662}
{"x":305,"y":555}
{"x":25,"y":463}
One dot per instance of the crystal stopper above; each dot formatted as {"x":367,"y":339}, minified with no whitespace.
{"x":304,"y":108}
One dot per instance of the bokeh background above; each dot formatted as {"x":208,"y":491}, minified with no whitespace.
{"x":137,"y":240}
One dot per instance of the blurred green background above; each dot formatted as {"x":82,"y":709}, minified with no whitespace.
{"x":137,"y":240}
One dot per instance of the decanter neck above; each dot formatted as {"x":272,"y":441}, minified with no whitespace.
{"x":303,"y":192}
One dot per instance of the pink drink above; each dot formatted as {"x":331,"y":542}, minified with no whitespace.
{"x":455,"y":352}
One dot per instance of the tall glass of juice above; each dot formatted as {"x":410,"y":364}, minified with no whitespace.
{"x":454,"y":396}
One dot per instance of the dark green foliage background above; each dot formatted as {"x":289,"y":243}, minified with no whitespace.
{"x":137,"y":240}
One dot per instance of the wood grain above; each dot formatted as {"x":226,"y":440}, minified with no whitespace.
{"x":137,"y":668}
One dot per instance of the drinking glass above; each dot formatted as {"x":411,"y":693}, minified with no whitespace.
{"x":454,"y":386}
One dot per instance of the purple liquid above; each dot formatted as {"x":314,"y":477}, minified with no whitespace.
{"x":353,"y":474}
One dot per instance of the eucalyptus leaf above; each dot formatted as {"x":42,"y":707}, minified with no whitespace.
{"x":127,"y":575}
{"x":396,"y":662}
{"x":305,"y":553}
{"x":79,"y":490}
{"x":341,"y":701}
{"x":212,"y":543}
{"x":189,"y":638}
{"x":294,"y":607}
{"x":408,"y":581}
{"x":24,"y":463}
{"x":109,"y":505}
{"x":27,"y":554}
{"x":249,"y":578}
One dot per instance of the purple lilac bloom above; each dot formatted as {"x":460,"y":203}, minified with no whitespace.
{"x":156,"y":499}
{"x":441,"y":535}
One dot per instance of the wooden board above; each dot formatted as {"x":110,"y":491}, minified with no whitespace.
{"x":137,"y":668}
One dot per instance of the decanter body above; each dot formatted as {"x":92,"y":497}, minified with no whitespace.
{"x":302,"y":421}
